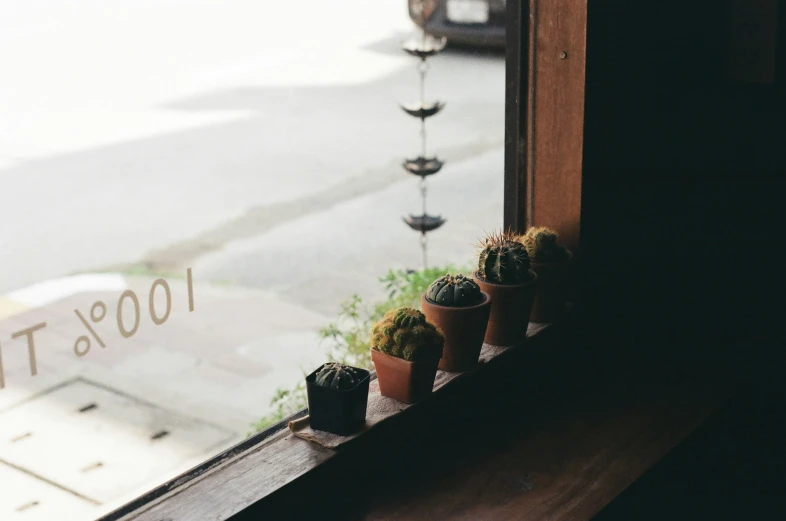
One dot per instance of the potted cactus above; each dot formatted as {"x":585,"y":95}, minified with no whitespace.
{"x":552,"y":263}
{"x":337,"y":398}
{"x":405,"y":349}
{"x":460,"y":310}
{"x":504,"y":273}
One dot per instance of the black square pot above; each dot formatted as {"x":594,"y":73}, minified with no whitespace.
{"x":332,"y":410}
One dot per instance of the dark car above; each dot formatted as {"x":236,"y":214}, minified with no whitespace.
{"x":473,"y":22}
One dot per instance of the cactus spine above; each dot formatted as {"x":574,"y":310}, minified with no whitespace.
{"x":455,"y":291}
{"x":503,"y":260}
{"x":405,"y":333}
{"x":541,"y":245}
{"x":338,"y":376}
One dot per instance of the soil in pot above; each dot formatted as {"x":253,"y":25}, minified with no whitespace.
{"x":509,"y":317}
{"x":334,"y":410}
{"x":464,"y":329}
{"x":407,"y":382}
{"x":551,"y":294}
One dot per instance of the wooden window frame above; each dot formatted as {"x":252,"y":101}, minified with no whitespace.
{"x":544,"y":115}
{"x":544,"y":103}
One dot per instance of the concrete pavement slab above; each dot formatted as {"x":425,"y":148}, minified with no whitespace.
{"x":31,"y":499}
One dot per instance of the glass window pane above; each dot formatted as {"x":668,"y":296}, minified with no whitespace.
{"x":202,"y":202}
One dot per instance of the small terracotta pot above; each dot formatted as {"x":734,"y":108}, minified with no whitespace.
{"x":509,"y":316}
{"x":551,"y":294}
{"x":464,"y":329}
{"x":405,"y":381}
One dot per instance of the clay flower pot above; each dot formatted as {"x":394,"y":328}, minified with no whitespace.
{"x":407,"y":382}
{"x":334,"y":410}
{"x":551,"y":294}
{"x":464,"y":329}
{"x":509,"y":316}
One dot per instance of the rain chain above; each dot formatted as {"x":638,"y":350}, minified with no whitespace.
{"x":423,"y":47}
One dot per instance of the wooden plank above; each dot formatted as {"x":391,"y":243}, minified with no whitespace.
{"x":557,"y":117}
{"x":544,"y":115}
{"x":227,"y":489}
{"x":570,"y":465}
{"x":534,"y":435}
{"x":405,"y":441}
{"x":550,"y":431}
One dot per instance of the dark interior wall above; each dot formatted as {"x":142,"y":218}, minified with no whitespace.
{"x":683,"y":197}
{"x":683,"y":186}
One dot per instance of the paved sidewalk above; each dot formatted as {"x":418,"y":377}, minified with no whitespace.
{"x":201,"y":376}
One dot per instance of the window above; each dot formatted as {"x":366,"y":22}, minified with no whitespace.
{"x":189,"y":193}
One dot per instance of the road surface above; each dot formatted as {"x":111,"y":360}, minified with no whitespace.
{"x":156,"y":131}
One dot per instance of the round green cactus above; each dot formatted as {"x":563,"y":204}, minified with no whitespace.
{"x":338,"y":376}
{"x":408,"y":318}
{"x":405,"y":333}
{"x":503,"y":260}
{"x":454,"y":291}
{"x":541,"y":245}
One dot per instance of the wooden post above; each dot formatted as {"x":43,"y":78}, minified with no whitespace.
{"x":545,"y":115}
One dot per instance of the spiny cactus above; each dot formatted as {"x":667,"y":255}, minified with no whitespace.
{"x":455,"y":291}
{"x":503,"y":259}
{"x":338,"y":376}
{"x":405,"y":333}
{"x":408,"y":318}
{"x":541,"y":245}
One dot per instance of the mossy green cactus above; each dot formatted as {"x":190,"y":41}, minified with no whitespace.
{"x":503,"y":259}
{"x":541,"y":245}
{"x":408,"y":318}
{"x":405,"y":333}
{"x":454,"y":291}
{"x":338,"y":376}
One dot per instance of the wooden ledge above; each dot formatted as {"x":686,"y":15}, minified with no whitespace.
{"x":550,"y":465}
{"x":252,"y":473}
{"x":555,"y":431}
{"x":546,"y":431}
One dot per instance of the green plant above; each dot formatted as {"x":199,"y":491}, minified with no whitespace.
{"x":338,"y":376}
{"x":406,"y":286}
{"x":348,"y":340}
{"x":405,"y":333}
{"x":541,"y":245}
{"x":455,"y":291}
{"x":503,"y":259}
{"x":285,"y":402}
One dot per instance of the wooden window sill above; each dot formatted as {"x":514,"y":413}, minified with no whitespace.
{"x":566,"y":460}
{"x":260,"y":466}
{"x":533,"y":434}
